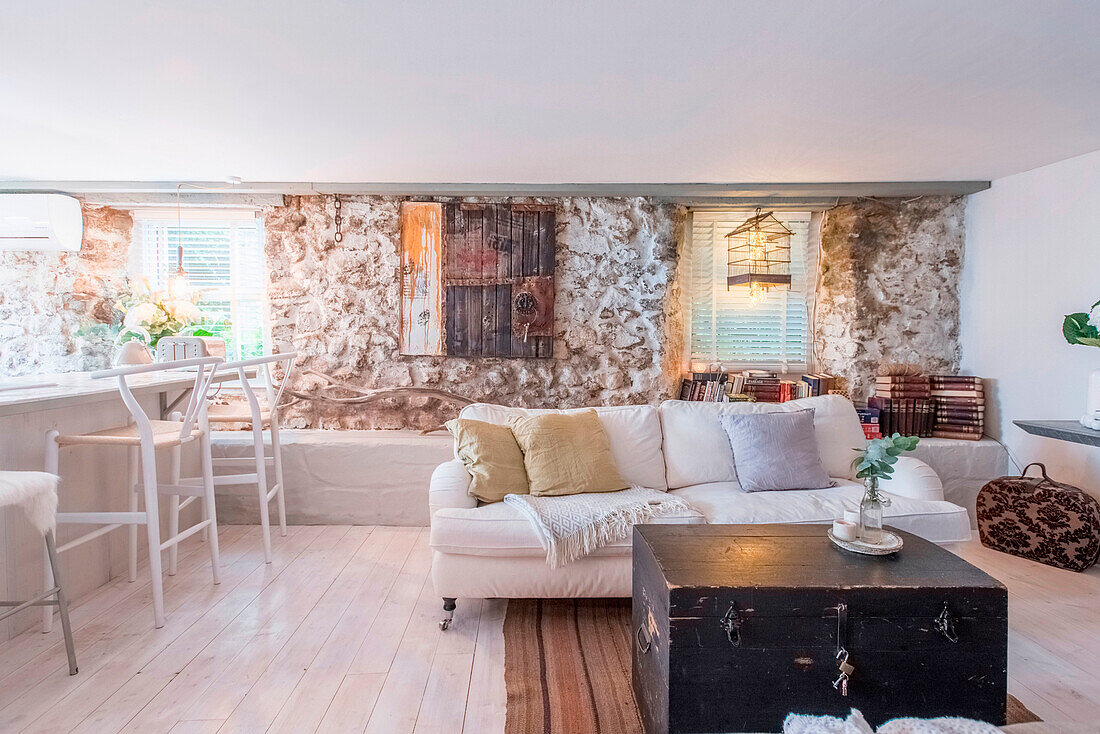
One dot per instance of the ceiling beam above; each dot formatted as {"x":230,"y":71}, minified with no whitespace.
{"x":690,"y":193}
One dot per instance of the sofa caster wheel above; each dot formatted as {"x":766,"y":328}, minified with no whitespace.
{"x":448,"y":614}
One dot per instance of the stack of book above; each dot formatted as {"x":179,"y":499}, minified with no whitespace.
{"x":816,"y":384}
{"x":904,"y":403}
{"x":869,"y":419}
{"x":903,"y":387}
{"x":960,"y":406}
{"x":763,"y":386}
{"x":704,"y":386}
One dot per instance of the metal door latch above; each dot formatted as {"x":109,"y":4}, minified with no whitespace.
{"x":846,"y":670}
{"x":731,"y":623}
{"x":945,"y":625}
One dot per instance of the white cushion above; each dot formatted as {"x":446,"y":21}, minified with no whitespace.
{"x":698,"y":450}
{"x":500,"y":530}
{"x":634,"y":432}
{"x":727,"y":503}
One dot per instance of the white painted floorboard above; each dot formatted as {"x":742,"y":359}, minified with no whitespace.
{"x":339,"y":634}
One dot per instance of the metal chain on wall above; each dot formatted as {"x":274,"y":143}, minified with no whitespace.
{"x":338,"y":219}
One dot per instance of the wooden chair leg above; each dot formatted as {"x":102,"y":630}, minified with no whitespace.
{"x":132,"y":530}
{"x":174,"y":511}
{"x":261,"y":488}
{"x":210,"y":511}
{"x":152,"y":530}
{"x":277,"y":455}
{"x":62,"y":603}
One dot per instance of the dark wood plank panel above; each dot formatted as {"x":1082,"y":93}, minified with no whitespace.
{"x":489,"y":258}
{"x":516,"y":346}
{"x":488,"y":250}
{"x":547,"y":236}
{"x":473,"y":317}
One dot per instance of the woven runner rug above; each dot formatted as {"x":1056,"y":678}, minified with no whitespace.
{"x":567,"y":668}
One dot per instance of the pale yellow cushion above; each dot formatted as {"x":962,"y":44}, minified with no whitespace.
{"x":567,"y":454}
{"x":492,"y":456}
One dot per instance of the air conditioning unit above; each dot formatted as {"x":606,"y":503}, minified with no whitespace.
{"x":40,"y":222}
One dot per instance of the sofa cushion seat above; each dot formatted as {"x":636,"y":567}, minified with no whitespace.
{"x":727,"y":503}
{"x":500,"y":530}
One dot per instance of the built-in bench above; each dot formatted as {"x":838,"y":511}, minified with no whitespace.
{"x":381,"y":477}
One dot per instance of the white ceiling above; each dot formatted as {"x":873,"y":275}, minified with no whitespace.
{"x":514,"y":91}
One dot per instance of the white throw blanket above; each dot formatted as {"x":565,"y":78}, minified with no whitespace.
{"x":856,"y":724}
{"x":573,"y":526}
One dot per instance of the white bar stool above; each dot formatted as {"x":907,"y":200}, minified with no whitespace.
{"x":36,"y":493}
{"x":143,"y":437}
{"x":258,"y":415}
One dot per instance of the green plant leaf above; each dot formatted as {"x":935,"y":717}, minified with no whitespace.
{"x":1077,"y":330}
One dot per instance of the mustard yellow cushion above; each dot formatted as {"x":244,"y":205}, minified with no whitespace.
{"x":490,"y":453}
{"x":567,"y":454}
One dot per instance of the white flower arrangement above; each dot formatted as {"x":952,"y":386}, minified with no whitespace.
{"x":149,"y":315}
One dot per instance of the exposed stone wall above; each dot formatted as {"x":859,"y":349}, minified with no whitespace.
{"x":54,"y":305}
{"x":618,"y":325}
{"x":889,"y":287}
{"x":888,"y":291}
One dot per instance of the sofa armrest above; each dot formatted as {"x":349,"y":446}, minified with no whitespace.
{"x":913,"y":479}
{"x":450,"y":487}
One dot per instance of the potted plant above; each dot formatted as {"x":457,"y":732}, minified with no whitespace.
{"x":1084,"y":329}
{"x":874,"y":462}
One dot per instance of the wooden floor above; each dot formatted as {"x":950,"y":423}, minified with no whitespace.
{"x":340,"y":634}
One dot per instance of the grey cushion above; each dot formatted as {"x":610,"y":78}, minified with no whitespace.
{"x":775,"y":451}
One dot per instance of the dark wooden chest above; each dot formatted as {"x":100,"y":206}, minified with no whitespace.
{"x":735,"y":626}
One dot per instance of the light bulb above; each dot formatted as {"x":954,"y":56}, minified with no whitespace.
{"x":178,"y":286}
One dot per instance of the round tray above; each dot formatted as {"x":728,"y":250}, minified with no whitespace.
{"x":890,"y":544}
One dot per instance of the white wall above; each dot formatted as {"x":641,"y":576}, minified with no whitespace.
{"x":1032,"y":256}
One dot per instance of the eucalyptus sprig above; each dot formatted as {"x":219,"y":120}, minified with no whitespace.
{"x":876,"y":460}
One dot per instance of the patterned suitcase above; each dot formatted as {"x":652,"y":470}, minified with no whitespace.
{"x":1040,"y":519}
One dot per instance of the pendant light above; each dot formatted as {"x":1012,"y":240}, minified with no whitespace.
{"x":759,"y":256}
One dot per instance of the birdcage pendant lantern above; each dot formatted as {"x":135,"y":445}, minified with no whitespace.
{"x":759,"y":256}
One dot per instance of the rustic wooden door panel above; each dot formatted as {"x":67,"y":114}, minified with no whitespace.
{"x":491,"y":252}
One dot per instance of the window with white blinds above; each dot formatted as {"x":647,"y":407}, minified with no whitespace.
{"x":726,"y":328}
{"x":223,"y":256}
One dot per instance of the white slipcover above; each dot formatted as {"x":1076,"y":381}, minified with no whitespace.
{"x":490,"y":551}
{"x":727,"y":503}
{"x":697,"y":449}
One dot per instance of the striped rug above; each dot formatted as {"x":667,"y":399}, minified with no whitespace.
{"x":567,"y":668}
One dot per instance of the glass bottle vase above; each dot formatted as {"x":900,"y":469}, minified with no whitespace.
{"x":870,"y":513}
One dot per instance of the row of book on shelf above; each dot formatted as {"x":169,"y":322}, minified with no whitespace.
{"x":758,"y":386}
{"x":942,"y":406}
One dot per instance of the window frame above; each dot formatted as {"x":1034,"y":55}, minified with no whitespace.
{"x":166,"y":219}
{"x":807,"y":287}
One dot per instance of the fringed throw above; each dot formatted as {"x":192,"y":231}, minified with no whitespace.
{"x":573,"y":526}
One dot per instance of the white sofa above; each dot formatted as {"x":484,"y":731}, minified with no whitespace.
{"x":490,"y":551}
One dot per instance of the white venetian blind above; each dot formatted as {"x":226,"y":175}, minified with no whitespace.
{"x":223,"y":257}
{"x":726,"y":328}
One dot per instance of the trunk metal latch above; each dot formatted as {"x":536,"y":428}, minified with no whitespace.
{"x":731,"y":623}
{"x":945,"y":625}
